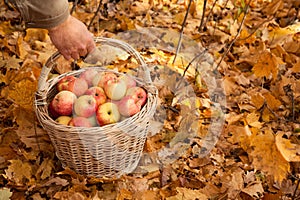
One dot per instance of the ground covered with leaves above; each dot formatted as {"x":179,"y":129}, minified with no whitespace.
{"x":248,"y":149}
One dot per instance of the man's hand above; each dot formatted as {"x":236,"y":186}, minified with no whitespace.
{"x":72,"y":38}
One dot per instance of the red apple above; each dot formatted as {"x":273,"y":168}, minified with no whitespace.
{"x":139,"y":94}
{"x":129,"y":80}
{"x":128,"y":106}
{"x":107,"y":113}
{"x":115,"y":89}
{"x":101,"y":78}
{"x":63,"y":120}
{"x":98,"y":93}
{"x":71,"y":83}
{"x":62,"y":103}
{"x":52,"y":112}
{"x":85,"y":106}
{"x":88,"y":76}
{"x":80,"y":122}
{"x":64,"y":83}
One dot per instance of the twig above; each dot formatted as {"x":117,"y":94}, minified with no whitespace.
{"x":236,"y":36}
{"x":190,"y":63}
{"x":74,"y":6}
{"x":210,"y":12}
{"x":203,"y":15}
{"x":95,"y":14}
{"x":181,"y":31}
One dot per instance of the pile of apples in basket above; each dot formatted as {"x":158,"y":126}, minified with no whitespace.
{"x":96,"y":98}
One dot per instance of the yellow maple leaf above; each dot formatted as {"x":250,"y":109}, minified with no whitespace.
{"x":272,"y":101}
{"x":253,"y":120}
{"x":265,"y":155}
{"x":290,"y":151}
{"x":18,"y":171}
{"x":257,"y":100}
{"x":22,"y":85}
{"x":267,"y":65}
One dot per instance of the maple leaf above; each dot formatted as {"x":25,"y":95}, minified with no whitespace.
{"x":265,"y":156}
{"x":290,"y":151}
{"x":5,"y":193}
{"x":254,"y":189}
{"x":45,"y":169}
{"x":267,"y":65}
{"x":187,"y":194}
{"x":18,"y":171}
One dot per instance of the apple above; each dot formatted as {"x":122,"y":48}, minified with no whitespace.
{"x":88,"y":76}
{"x":63,"y":119}
{"x":64,"y":83}
{"x":80,"y":122}
{"x":93,"y":120}
{"x":115,"y":89}
{"x":85,"y":106}
{"x":79,"y":86}
{"x":96,"y":78}
{"x":102,"y":77}
{"x":107,"y":113}
{"x":52,"y":112}
{"x":98,"y":93}
{"x":137,"y":93}
{"x":129,"y":106}
{"x":129,"y":80}
{"x":62,"y":103}
{"x":71,"y":83}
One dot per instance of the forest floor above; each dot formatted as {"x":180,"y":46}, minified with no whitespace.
{"x":227,"y":123}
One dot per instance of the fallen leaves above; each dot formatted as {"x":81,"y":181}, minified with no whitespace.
{"x":258,"y":150}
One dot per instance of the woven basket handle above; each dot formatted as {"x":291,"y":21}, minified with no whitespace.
{"x":50,"y":63}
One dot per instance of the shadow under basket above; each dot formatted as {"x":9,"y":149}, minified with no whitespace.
{"x":109,"y":151}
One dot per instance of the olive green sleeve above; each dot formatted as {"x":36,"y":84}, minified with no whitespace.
{"x":42,"y":14}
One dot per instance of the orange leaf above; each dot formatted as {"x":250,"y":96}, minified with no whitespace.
{"x":272,"y":102}
{"x":267,"y":65}
{"x":18,"y":171}
{"x":290,"y":151}
{"x":262,"y":149}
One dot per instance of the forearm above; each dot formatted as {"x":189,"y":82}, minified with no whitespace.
{"x":42,"y":14}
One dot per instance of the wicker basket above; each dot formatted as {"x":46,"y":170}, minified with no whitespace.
{"x":108,"y":151}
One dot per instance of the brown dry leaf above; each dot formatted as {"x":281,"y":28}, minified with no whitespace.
{"x":254,"y":190}
{"x":57,"y":181}
{"x":273,"y":7}
{"x":5,"y":28}
{"x":30,"y":134}
{"x":290,"y":151}
{"x":272,"y":101}
{"x":265,"y":156}
{"x":187,"y":194}
{"x":257,"y":100}
{"x":33,"y":34}
{"x":45,"y":169}
{"x":267,"y":65}
{"x":23,"y":47}
{"x":253,"y":120}
{"x":147,"y":194}
{"x":22,"y":85}
{"x":233,"y":182}
{"x":13,"y":63}
{"x":296,"y":67}
{"x":18,"y":171}
{"x":69,"y":195}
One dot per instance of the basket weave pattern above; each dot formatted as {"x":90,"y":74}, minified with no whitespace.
{"x":107,"y":151}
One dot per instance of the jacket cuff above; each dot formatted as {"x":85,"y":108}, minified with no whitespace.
{"x":42,"y":14}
